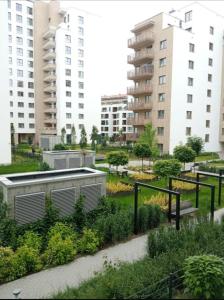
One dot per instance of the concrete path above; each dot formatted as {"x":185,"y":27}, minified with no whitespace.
{"x":48,"y":282}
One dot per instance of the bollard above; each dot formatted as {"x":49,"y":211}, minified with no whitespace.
{"x":16,"y":294}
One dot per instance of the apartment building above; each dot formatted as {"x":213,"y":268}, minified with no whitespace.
{"x":177,"y":77}
{"x":114,"y":115}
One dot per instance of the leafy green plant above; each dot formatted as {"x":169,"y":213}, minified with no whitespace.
{"x":166,"y":168}
{"x":31,"y":240}
{"x":204,"y":276}
{"x":8,"y":233}
{"x":195,"y":143}
{"x":89,"y":242}
{"x":51,"y":216}
{"x":60,"y":147}
{"x":83,"y":138}
{"x":43,"y":166}
{"x":65,"y":231}
{"x":117,"y":158}
{"x":142,"y":151}
{"x":184,"y":154}
{"x":79,"y":215}
{"x":148,"y":136}
{"x":7,"y":271}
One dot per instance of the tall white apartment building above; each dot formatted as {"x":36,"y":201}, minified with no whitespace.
{"x":178,"y":76}
{"x":114,"y":114}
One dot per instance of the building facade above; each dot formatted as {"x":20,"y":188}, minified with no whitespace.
{"x":178,"y":76}
{"x":114,"y":115}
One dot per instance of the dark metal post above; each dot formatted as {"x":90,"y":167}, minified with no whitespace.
{"x":212,"y":202}
{"x":197,"y":191}
{"x":170,"y":200}
{"x":136,"y":209}
{"x":178,"y":212}
{"x":220,"y":187}
{"x":170,"y":286}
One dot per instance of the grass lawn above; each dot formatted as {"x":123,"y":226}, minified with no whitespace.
{"x":206,"y":157}
{"x":20,"y":165}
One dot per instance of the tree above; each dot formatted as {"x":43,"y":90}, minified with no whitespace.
{"x":166,"y":168}
{"x":142,"y":151}
{"x":94,"y":137}
{"x":83,"y":138}
{"x":12,"y":134}
{"x":63,"y":134}
{"x":73,"y":135}
{"x":184,"y":154}
{"x":120,"y":136}
{"x":117,"y":158}
{"x":149,"y":137}
{"x":195,"y":143}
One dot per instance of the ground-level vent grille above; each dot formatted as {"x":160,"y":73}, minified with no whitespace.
{"x":44,"y":143}
{"x":60,"y":164}
{"x":92,"y":195}
{"x":75,"y":162}
{"x":29,"y":208}
{"x":64,"y":200}
{"x":88,"y":161}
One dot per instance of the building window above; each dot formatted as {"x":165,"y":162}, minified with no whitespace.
{"x":161,"y":114}
{"x":163,"y":44}
{"x":68,"y":72}
{"x":80,"y":42}
{"x":191,"y":47}
{"x":11,"y":104}
{"x":30,"y":85}
{"x":11,"y":114}
{"x":162,"y":62}
{"x":30,"y":64}
{"x":68,"y":61}
{"x":81,"y":95}
{"x":80,"y":53}
{"x":10,"y":93}
{"x":30,"y":53}
{"x":190,"y":81}
{"x":160,"y":130}
{"x":68,"y":104}
{"x":21,"y":125}
{"x":80,"y":63}
{"x":81,"y":85}
{"x":68,"y":115}
{"x":30,"y":43}
{"x":31,"y":115}
{"x":190,"y":64}
{"x":20,"y":94}
{"x":81,"y":105}
{"x":208,"y":108}
{"x":30,"y":74}
{"x":189,"y":98}
{"x":210,"y":46}
{"x":188,"y":130}
{"x":206,"y":138}
{"x":209,"y":93}
{"x":81,"y":116}
{"x":9,"y":16}
{"x":9,"y":27}
{"x":31,"y":125}
{"x":20,"y":104}
{"x":211,"y":30}
{"x":19,"y":29}
{"x":10,"y":49}
{"x":19,"y":40}
{"x":81,"y":30}
{"x":80,"y":74}
{"x":210,"y":77}
{"x":188,"y":16}
{"x":9,"y":38}
{"x":81,"y":20}
{"x":67,"y":38}
{"x":189,"y":114}
{"x":31,"y":105}
{"x":10,"y":60}
{"x":162,"y":79}
{"x":29,"y":22}
{"x":207,"y":123}
{"x":68,"y":126}
{"x":31,"y":95}
{"x":67,"y":50}
{"x":210,"y":62}
{"x":19,"y":19}
{"x":29,"y":10}
{"x":68,"y":94}
{"x":19,"y":51}
{"x":18,"y":7}
{"x":20,"y":84}
{"x":10,"y":82}
{"x":19,"y":73}
{"x":68,"y":83}
{"x":30,"y":32}
{"x":10,"y":72}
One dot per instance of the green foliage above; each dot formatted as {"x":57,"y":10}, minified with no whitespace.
{"x":83,"y":138}
{"x":65,"y":231}
{"x":7,"y":271}
{"x":117,"y":158}
{"x":59,"y":251}
{"x":149,"y":137}
{"x":59,"y":147}
{"x":79,"y":215}
{"x":149,"y":216}
{"x":51,"y":216}
{"x":8,"y":233}
{"x":73,"y":135}
{"x":204,"y":276}
{"x":31,"y":240}
{"x":184,"y":154}
{"x":43,"y":166}
{"x":94,"y":136}
{"x":195,"y":143}
{"x":63,"y":135}
{"x":89,"y":242}
{"x":142,"y":151}
{"x":3,"y":206}
{"x":166,"y":168}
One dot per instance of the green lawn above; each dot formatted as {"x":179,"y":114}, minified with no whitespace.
{"x":206,"y":157}
{"x":20,"y":165}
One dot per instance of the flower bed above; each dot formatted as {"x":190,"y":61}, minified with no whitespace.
{"x":143,"y":177}
{"x":139,"y":168}
{"x":118,"y":188}
{"x":193,"y":176}
{"x":181,"y":186}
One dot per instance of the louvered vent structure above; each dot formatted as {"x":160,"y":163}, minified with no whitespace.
{"x":29,"y":208}
{"x":88,"y":161}
{"x":60,"y":164}
{"x":64,"y":200}
{"x":75,"y":162}
{"x":92,"y":195}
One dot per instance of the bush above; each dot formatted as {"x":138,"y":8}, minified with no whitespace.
{"x":31,"y":240}
{"x":43,"y":166}
{"x":204,"y":276}
{"x":142,"y":176}
{"x":65,"y":231}
{"x":89,"y":242}
{"x":149,"y":216}
{"x":184,"y":154}
{"x":60,"y":147}
{"x":117,"y":158}
{"x":59,"y":251}
{"x":8,"y":233}
{"x":79,"y":215}
{"x":7,"y":271}
{"x":165,"y":168}
{"x":117,"y":187}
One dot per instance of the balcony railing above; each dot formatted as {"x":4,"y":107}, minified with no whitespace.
{"x":50,"y":110}
{"x":50,"y":100}
{"x":50,"y":88}
{"x":141,"y":73}
{"x":143,"y":89}
{"x":49,"y":130}
{"x":49,"y":55}
{"x":140,"y":105}
{"x":140,"y":57}
{"x":49,"y":66}
{"x":138,"y":121}
{"x":141,"y":40}
{"x":50,"y":120}
{"x":132,"y":136}
{"x":50,"y":78}
{"x":50,"y":43}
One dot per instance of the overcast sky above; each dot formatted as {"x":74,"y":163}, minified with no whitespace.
{"x":117,"y":19}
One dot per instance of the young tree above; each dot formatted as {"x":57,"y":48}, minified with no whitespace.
{"x":166,"y":168}
{"x":94,"y":137}
{"x":73,"y":135}
{"x":63,"y":135}
{"x":117,"y":158}
{"x":12,"y":134}
{"x":120,"y":136}
{"x":149,"y":137}
{"x":83,"y":138}
{"x":195,"y":143}
{"x":184,"y":154}
{"x":142,"y":151}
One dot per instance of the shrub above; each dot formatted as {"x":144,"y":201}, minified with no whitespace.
{"x":149,"y":216}
{"x":60,"y":147}
{"x":43,"y":166}
{"x":8,"y":233}
{"x":195,"y":143}
{"x":165,"y":168}
{"x":65,"y":231}
{"x":59,"y":251}
{"x":7,"y":271}
{"x":117,"y":187}
{"x":51,"y":216}
{"x":142,"y":176}
{"x":31,"y":240}
{"x":139,"y":169}
{"x":184,"y":154}
{"x":204,"y":276}
{"x":142,"y":150}
{"x":79,"y":215}
{"x":89,"y":242}
{"x":117,"y":158}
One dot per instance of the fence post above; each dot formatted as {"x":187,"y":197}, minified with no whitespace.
{"x":170,"y":200}
{"x":197,"y":191}
{"x":136,"y":209}
{"x":171,"y":286}
{"x":212,"y":202}
{"x":220,"y":187}
{"x":178,"y":212}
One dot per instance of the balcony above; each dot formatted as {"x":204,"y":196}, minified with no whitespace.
{"x":143,"y":25}
{"x":50,"y":88}
{"x":143,"y":89}
{"x":50,"y":121}
{"x":50,"y":78}
{"x":50,"y":110}
{"x":141,"y":40}
{"x":141,"y":73}
{"x":50,"y":66}
{"x":132,"y":136}
{"x":140,"y":105}
{"x":49,"y":55}
{"x":49,"y":33}
{"x":140,"y":57}
{"x":49,"y":130}
{"x":50,"y":100}
{"x":49,"y":44}
{"x":138,"y":121}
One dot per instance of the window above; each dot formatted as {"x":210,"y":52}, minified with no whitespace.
{"x":210,"y":46}
{"x":191,"y":47}
{"x":81,"y":105}
{"x":9,"y":3}
{"x":30,"y":74}
{"x":19,"y":51}
{"x":19,"y":40}
{"x":81,"y":85}
{"x":20,"y":94}
{"x":81,"y":95}
{"x":190,"y":81}
{"x":30,"y":43}
{"x":69,"y":104}
{"x":11,"y":104}
{"x":20,"y":73}
{"x":189,"y":114}
{"x":9,"y":27}
{"x":81,"y":116}
{"x":30,"y":64}
{"x":67,"y":38}
{"x":190,"y":64}
{"x":31,"y":95}
{"x":10,"y":71}
{"x":9,"y":38}
{"x":162,"y":79}
{"x":188,"y":130}
{"x":68,"y":61}
{"x":9,"y":16}
{"x":211,"y":30}
{"x":31,"y":115}
{"x":30,"y":53}
{"x":81,"y":20}
{"x":10,"y":93}
{"x":208,"y":108}
{"x":21,"y":125}
{"x":161,"y":114}
{"x":68,"y":115}
{"x":30,"y":85}
{"x":80,"y":52}
{"x":81,"y":126}
{"x":31,"y":125}
{"x":206,"y":138}
{"x":68,"y":83}
{"x":67,"y":72}
{"x":188,"y":16}
{"x":10,"y":60}
{"x":210,"y":62}
{"x":189,"y":98}
{"x":207,"y":123}
{"x":160,"y":130}
{"x":20,"y":115}
{"x":20,"y":84}
{"x":80,"y":63}
{"x":29,"y":21}
{"x":10,"y":82}
{"x":30,"y":32}
{"x":29,"y":10}
{"x":19,"y":18}
{"x":67,"y":50}
{"x":163,"y":44}
{"x":80,"y":74}
{"x":68,"y":94}
{"x":189,"y":29}
{"x":162,"y":62}
{"x":20,"y":104}
{"x":210,"y":77}
{"x":209,"y":93}
{"x":10,"y":49}
{"x":31,"y":105}
{"x":68,"y":126}
{"x":80,"y":42}
{"x":81,"y":30}
{"x":18,"y":7}
{"x":19,"y":29}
